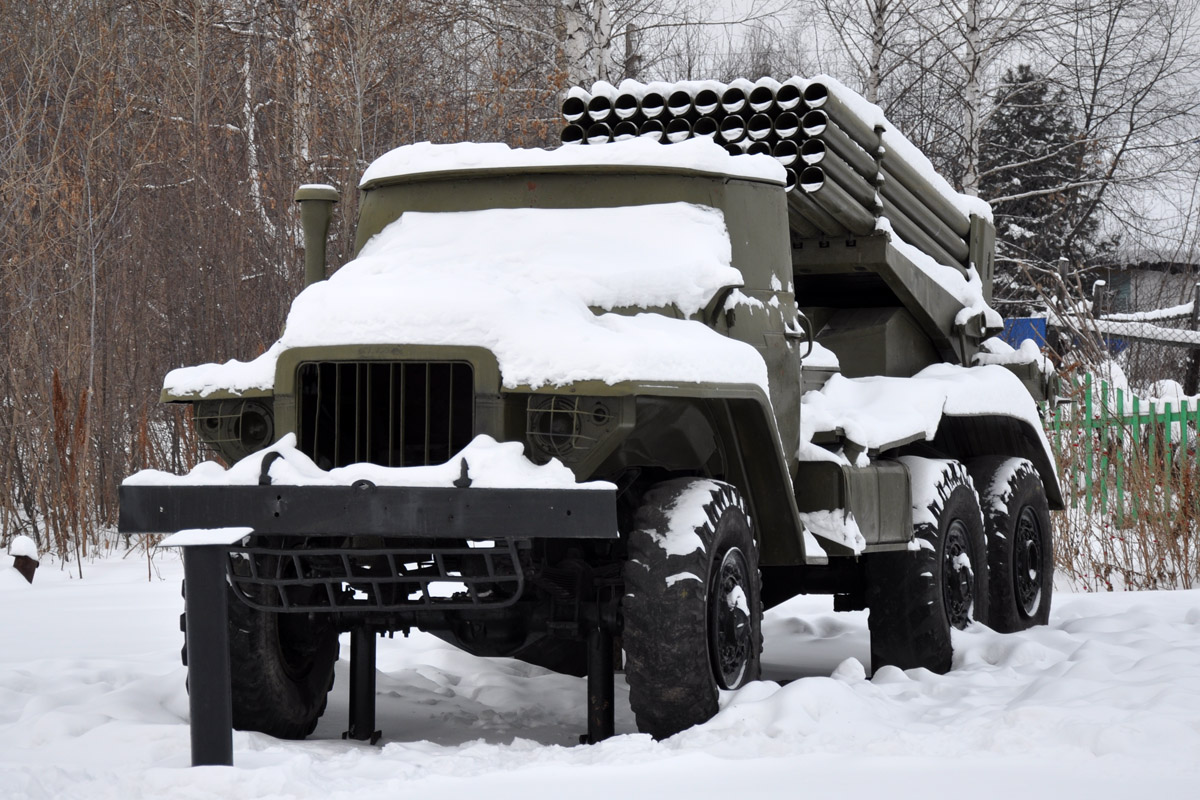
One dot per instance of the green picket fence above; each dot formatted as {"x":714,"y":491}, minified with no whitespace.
{"x":1123,"y":457}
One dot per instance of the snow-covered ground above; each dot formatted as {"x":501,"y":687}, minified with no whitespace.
{"x":1103,"y":703}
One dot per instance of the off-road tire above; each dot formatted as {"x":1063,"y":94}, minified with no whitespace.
{"x":1020,"y":542}
{"x":281,"y":668}
{"x":686,"y":632}
{"x":916,"y":596}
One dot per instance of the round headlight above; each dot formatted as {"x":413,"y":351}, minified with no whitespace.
{"x":256,"y":430}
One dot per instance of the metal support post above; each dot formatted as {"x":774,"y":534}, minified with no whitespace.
{"x":210,"y":700}
{"x":600,"y":684}
{"x":362,"y":686}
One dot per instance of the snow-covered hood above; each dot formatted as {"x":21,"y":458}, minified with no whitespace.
{"x":531,"y":285}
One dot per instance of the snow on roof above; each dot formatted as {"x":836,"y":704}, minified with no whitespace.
{"x":697,"y":155}
{"x":877,"y":412}
{"x":522,"y":283}
{"x":491,"y":465}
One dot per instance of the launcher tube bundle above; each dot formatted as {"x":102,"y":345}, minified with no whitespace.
{"x":846,"y":167}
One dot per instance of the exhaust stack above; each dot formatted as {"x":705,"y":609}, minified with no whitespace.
{"x":316,"y":210}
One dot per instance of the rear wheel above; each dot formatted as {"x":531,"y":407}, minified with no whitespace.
{"x":916,"y":596}
{"x":692,"y":606}
{"x":1020,"y":543}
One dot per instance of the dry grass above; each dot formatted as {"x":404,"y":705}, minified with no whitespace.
{"x":1145,"y":536}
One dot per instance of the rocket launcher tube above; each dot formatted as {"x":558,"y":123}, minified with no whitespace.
{"x":733,"y":100}
{"x":599,"y":133}
{"x":625,"y":106}
{"x":817,"y":95}
{"x":856,"y":185}
{"x":762,"y":97}
{"x":759,"y":126}
{"x":786,"y":152}
{"x":802,"y":205}
{"x":786,"y":125}
{"x":678,"y":130}
{"x":705,"y":126}
{"x":836,"y":201}
{"x":895,"y":193}
{"x":574,"y":134}
{"x":790,"y":95}
{"x":653,"y":105}
{"x":910,"y":232}
{"x":573,"y":108}
{"x":599,"y":108}
{"x":707,"y":101}
{"x":652,"y":129}
{"x":733,"y":128}
{"x":679,"y":104}
{"x":625,"y":130}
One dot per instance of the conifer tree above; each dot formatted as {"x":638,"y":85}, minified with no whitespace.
{"x":1036,"y":167}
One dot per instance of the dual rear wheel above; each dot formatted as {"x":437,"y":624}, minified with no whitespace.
{"x":981,"y":550}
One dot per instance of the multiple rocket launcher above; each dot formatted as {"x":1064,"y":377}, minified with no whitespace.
{"x":841,"y":178}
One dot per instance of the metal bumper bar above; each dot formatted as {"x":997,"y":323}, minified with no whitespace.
{"x":369,"y":510}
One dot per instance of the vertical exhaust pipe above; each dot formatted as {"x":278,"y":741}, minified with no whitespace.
{"x":316,"y":210}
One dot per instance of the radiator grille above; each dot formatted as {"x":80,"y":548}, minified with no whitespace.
{"x":391,"y":413}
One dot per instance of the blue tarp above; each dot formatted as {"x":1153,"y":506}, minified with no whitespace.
{"x":1018,"y":329}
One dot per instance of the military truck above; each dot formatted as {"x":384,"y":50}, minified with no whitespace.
{"x":597,"y":407}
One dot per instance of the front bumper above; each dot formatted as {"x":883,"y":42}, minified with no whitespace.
{"x":367,"y":548}
{"x":367,"y":510}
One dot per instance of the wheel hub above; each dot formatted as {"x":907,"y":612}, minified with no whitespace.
{"x":958,"y":584}
{"x":1027,"y":562}
{"x":730,"y":630}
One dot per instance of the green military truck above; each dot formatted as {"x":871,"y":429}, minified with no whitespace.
{"x":598,"y":407}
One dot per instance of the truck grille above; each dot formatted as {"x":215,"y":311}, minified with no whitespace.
{"x":391,"y":413}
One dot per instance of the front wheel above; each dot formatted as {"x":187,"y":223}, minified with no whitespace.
{"x":281,"y":668}
{"x":692,"y":604}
